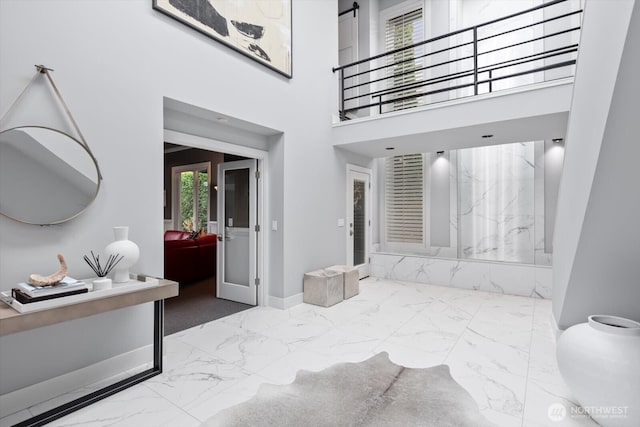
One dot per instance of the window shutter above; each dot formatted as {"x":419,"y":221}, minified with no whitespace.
{"x":404,"y":199}
{"x":401,"y":31}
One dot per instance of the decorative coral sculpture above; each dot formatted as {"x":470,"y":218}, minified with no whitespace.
{"x":52,"y":279}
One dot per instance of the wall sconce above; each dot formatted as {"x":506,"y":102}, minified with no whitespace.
{"x":557,"y":140}
{"x":439,"y":153}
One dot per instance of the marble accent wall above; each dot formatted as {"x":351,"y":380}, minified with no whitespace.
{"x":498,"y":277}
{"x":497,"y":203}
{"x":541,"y":256}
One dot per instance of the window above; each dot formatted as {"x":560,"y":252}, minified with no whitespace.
{"x":404,"y":199}
{"x":493,"y":208}
{"x":400,"y":31}
{"x":191,"y":196}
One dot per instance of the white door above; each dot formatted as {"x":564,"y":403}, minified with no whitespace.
{"x":237,"y":220}
{"x":348,"y":53}
{"x":358,"y":219}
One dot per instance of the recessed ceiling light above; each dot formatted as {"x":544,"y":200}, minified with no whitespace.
{"x":390,"y":148}
{"x":222,"y":120}
{"x":557,"y":140}
{"x":489,"y":135}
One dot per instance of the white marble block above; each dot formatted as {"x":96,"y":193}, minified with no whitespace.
{"x":323,"y":287}
{"x":351,"y":279}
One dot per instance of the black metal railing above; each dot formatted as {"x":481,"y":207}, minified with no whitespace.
{"x":495,"y":55}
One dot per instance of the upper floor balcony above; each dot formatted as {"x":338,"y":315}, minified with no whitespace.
{"x":515,"y":69}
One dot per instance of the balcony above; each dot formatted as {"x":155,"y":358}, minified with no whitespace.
{"x":527,"y":48}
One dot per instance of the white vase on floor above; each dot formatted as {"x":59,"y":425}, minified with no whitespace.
{"x":600,"y":362}
{"x":122,"y":246}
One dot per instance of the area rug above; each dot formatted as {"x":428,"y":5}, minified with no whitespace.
{"x":376,"y":392}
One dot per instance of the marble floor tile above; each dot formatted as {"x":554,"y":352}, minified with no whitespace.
{"x":500,"y":395}
{"x":284,"y":370}
{"x":376,"y":290}
{"x":295,"y":332}
{"x":343,"y":346}
{"x":542,"y":403}
{"x":133,"y":407}
{"x":467,"y":301}
{"x":415,"y":297}
{"x":500,"y":348}
{"x":435,"y":330}
{"x":256,"y":319}
{"x":410,"y":357}
{"x":335,"y":315}
{"x":68,"y":397}
{"x":247,"y":350}
{"x":498,"y":355}
{"x":191,"y":376}
{"x":239,"y":392}
{"x":494,"y":373}
{"x":433,"y":343}
{"x":380,"y":320}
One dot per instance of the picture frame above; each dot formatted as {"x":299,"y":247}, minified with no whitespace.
{"x":258,"y":29}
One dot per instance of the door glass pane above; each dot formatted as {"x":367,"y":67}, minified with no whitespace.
{"x":203,"y":200}
{"x":236,"y":222}
{"x":359,"y":228}
{"x":186,"y":201}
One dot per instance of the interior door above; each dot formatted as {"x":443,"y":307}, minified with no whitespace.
{"x":348,"y":53}
{"x":359,"y":220}
{"x":237,"y":220}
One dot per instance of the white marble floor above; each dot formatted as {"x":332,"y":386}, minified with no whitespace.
{"x":500,"y":348}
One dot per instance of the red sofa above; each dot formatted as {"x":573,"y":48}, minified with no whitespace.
{"x":187,"y":260}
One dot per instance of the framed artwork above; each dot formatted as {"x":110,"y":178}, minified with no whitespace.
{"x":259,"y":29}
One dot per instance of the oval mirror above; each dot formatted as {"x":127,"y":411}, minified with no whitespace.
{"x":46,"y":176}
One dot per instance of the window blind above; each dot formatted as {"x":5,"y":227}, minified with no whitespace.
{"x":404,"y":199}
{"x":400,"y":31}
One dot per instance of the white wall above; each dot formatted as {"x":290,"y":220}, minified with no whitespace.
{"x":596,"y":239}
{"x":114,"y":63}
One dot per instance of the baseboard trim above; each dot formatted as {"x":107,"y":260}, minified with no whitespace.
{"x":285,"y":303}
{"x":555,"y":328}
{"x":29,"y":396}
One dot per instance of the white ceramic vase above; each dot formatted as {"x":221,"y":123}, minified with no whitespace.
{"x":125,"y":247}
{"x":600,"y":362}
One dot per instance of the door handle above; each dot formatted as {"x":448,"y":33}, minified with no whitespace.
{"x":220,"y":237}
{"x":350,"y":229}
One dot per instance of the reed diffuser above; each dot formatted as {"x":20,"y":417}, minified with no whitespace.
{"x":98,"y":268}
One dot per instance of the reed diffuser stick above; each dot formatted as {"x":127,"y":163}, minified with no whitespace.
{"x":98,"y":268}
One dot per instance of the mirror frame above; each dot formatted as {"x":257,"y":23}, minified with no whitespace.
{"x":86,"y":149}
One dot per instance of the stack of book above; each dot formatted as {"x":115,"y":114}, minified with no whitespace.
{"x":26,"y":293}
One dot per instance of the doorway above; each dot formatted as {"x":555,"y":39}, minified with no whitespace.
{"x":348,"y":53}
{"x":358,"y":218}
{"x":195,"y":200}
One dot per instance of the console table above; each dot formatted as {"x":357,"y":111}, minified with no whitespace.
{"x":12,"y":321}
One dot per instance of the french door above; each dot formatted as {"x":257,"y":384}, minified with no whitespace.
{"x":358,"y":218}
{"x":237,"y":228}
